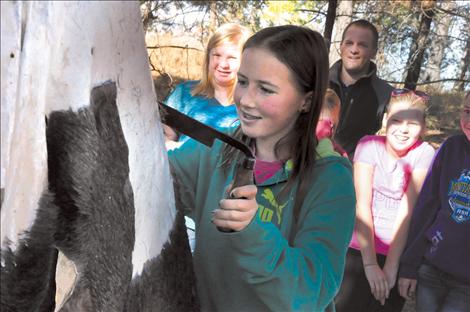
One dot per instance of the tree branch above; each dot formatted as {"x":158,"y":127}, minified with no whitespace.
{"x":174,"y":46}
{"x":312,"y":11}
{"x":431,"y":82}
{"x":452,"y":12}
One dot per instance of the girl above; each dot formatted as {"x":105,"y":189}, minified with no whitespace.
{"x":438,"y":249}
{"x":292,"y":228}
{"x":388,"y":174}
{"x":329,"y":118}
{"x":210,"y":100}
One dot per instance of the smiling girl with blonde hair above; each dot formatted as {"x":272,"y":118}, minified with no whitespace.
{"x":389,"y":171}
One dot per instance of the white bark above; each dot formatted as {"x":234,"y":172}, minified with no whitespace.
{"x":440,"y":41}
{"x":343,"y":18}
{"x":68,"y":48}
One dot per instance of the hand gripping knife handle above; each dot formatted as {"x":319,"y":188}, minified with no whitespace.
{"x":243,"y":176}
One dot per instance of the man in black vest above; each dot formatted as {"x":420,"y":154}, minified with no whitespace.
{"x":363,"y":95}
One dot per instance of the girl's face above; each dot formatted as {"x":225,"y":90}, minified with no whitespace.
{"x":465,"y":118}
{"x":268,"y":102}
{"x":224,"y":61}
{"x":405,"y":124}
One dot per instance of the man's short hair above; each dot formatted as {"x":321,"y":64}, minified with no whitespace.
{"x":364,"y":24}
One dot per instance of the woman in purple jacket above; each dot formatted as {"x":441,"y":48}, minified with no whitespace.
{"x":437,"y":256}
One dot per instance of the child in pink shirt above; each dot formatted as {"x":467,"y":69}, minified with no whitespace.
{"x":388,"y":174}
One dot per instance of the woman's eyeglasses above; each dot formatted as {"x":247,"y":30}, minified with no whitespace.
{"x":421,"y":94}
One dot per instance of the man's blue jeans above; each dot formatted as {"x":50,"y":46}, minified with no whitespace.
{"x":439,"y":291}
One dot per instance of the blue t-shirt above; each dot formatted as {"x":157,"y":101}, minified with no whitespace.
{"x":206,"y":110}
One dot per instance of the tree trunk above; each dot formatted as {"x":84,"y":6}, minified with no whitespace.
{"x":343,"y":18}
{"x":464,"y":62}
{"x":459,"y":85}
{"x":330,"y":21}
{"x":440,"y":41}
{"x":145,"y":12}
{"x":213,"y":16}
{"x":416,"y":55}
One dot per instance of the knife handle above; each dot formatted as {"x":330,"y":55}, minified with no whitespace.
{"x":243,"y":176}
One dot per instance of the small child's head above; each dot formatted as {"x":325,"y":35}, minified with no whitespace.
{"x":329,"y":115}
{"x":465,"y":116}
{"x":405,"y":120}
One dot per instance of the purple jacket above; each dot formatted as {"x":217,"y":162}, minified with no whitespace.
{"x":440,"y":226}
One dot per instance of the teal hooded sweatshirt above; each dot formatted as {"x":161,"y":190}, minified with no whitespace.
{"x":256,"y":269}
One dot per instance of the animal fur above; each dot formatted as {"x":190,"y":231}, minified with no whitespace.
{"x":89,"y":216}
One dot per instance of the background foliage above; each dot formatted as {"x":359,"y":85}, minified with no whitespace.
{"x":422,"y":44}
{"x":439,"y":53}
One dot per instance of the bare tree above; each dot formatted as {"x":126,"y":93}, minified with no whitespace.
{"x":416,"y":54}
{"x":440,"y":40}
{"x":344,"y":14}
{"x":464,"y":75}
{"x":330,"y":21}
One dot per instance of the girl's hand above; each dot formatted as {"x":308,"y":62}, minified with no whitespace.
{"x":378,"y":282}
{"x":407,"y":288}
{"x":390,"y":272}
{"x":170,"y":134}
{"x":237,"y":213}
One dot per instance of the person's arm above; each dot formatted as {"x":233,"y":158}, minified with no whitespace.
{"x":171,"y":138}
{"x":363,"y":181}
{"x":184,"y":164}
{"x":237,"y":212}
{"x":424,"y":212}
{"x":400,"y":228}
{"x":307,"y":275}
{"x":407,"y":287}
{"x":170,"y":134}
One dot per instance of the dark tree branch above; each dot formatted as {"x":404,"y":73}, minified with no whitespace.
{"x":312,"y":11}
{"x":330,"y":21}
{"x":431,"y":82}
{"x":416,"y":55}
{"x":453,"y":12}
{"x":174,"y":46}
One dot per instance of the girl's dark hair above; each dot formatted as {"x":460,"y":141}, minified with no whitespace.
{"x":304,"y":52}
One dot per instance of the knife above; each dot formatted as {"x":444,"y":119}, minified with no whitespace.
{"x":207,"y":135}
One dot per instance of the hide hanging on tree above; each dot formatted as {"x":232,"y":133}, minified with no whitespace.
{"x":84,"y":166}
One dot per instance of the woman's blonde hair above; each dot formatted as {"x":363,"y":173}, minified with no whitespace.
{"x":230,"y":33}
{"x":416,"y":101}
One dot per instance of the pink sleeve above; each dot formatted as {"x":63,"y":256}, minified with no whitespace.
{"x":365,"y":150}
{"x":426,"y":157}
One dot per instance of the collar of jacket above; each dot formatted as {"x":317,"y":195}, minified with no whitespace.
{"x":324,"y":150}
{"x":335,"y":71}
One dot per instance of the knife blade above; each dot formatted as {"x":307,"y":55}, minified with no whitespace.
{"x":202,"y":133}
{"x":197,"y":130}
